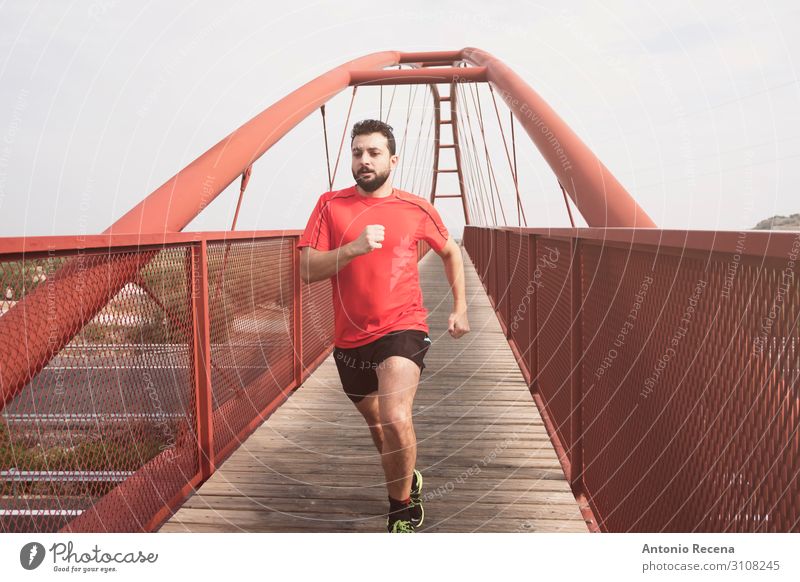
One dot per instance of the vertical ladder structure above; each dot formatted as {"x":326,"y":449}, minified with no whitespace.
{"x":438,"y":146}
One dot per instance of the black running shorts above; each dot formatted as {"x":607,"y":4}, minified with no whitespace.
{"x":357,"y":366}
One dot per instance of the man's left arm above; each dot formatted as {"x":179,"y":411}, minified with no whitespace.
{"x":457,"y":324}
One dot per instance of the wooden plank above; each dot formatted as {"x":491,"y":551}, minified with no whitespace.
{"x":266,"y":521}
{"x":474,"y":491}
{"x":487,"y":460}
{"x":462,"y":525}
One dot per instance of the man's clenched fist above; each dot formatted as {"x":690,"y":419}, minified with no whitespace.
{"x":370,"y":238}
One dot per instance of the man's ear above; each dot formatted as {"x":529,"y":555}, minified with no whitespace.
{"x":393,"y":161}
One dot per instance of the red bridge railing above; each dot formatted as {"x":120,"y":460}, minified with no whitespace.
{"x":665,"y":365}
{"x":208,"y":337}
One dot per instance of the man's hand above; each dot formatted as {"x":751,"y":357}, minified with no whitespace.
{"x":371,"y":238}
{"x":458,"y":324}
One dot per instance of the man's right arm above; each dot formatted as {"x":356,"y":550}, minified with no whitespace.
{"x":317,"y":265}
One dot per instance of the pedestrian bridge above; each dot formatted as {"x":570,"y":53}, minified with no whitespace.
{"x":482,"y":446}
{"x":618,"y":377}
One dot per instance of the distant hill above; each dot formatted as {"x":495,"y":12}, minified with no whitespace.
{"x":779,"y":223}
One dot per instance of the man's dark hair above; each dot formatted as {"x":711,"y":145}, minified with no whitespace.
{"x":368,"y":126}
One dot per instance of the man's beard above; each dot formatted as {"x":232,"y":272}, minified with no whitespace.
{"x":371,"y":184}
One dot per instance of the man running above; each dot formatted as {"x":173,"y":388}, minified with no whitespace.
{"x":365,"y":237}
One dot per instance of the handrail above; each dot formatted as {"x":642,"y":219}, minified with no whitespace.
{"x":664,"y":364}
{"x":162,"y":384}
{"x":758,"y":243}
{"x":152,"y":437}
{"x":48,"y":244}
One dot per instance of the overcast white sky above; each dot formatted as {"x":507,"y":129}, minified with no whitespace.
{"x":692,"y":105}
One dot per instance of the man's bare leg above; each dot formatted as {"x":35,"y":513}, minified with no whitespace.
{"x":368,"y":407}
{"x":398,"y":378}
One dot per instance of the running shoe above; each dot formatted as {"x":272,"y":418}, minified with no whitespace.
{"x":399,"y":526}
{"x":416,"y":511}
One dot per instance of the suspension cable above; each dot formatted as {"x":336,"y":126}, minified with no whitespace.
{"x":391,"y":100}
{"x":478,"y":170}
{"x":511,"y":166}
{"x":521,"y":208}
{"x":327,"y":153}
{"x":405,"y":129}
{"x":469,"y":178}
{"x":488,"y":200}
{"x":429,"y":171}
{"x":566,"y":202}
{"x":489,"y":164}
{"x":242,"y":187}
{"x":344,"y":132}
{"x":419,"y":168}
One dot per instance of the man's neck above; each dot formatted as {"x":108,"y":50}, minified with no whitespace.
{"x":382,"y":192}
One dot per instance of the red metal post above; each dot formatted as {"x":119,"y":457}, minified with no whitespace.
{"x":202,"y":358}
{"x":297,"y":315}
{"x":576,"y":365}
{"x":495,"y":262}
{"x":505,"y":293}
{"x":533,"y":320}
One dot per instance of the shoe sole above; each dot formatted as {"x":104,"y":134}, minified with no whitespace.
{"x":419,"y":493}
{"x":421,"y":517}
{"x":413,"y":527}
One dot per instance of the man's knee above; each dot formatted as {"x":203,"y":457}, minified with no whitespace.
{"x":395,"y":422}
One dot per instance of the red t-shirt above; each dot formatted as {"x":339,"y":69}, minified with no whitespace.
{"x":378,"y":292}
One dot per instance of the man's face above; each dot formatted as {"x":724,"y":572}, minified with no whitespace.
{"x":372,"y":162}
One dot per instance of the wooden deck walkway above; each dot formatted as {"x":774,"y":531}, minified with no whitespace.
{"x":483,"y":450}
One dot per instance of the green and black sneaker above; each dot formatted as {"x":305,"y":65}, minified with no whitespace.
{"x":416,"y":511}
{"x":399,"y":526}
{"x":400,"y":522}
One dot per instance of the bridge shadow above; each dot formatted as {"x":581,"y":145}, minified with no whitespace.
{"x":488,"y":463}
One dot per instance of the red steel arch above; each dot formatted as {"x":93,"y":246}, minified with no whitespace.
{"x":598,"y":195}
{"x":600,"y":198}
